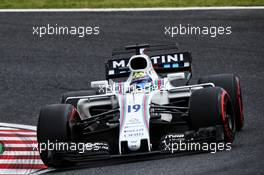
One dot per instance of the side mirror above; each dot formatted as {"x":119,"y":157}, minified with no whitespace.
{"x":99,"y":84}
{"x":176,"y":76}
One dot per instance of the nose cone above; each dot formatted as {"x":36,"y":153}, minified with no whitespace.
{"x":134,"y":145}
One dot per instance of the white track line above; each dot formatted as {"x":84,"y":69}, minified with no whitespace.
{"x":16,"y":126}
{"x":22,"y":145}
{"x":132,"y":9}
{"x":16,"y":171}
{"x":18,"y":138}
{"x":20,"y":161}
{"x":7,"y":128}
{"x":19,"y":133}
{"x":20,"y":153}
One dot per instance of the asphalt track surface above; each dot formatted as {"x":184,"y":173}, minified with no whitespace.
{"x":35,"y":71}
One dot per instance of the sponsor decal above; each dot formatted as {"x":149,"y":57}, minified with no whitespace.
{"x":159,"y":59}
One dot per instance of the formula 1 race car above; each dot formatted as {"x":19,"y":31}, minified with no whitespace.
{"x":140,"y":109}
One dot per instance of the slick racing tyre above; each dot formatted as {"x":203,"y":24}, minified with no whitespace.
{"x":231,"y":84}
{"x":54,"y":127}
{"x":210,"y":107}
{"x":66,"y":97}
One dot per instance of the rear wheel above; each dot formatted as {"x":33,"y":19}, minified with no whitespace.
{"x":210,"y":107}
{"x":231,"y":84}
{"x":54,"y":127}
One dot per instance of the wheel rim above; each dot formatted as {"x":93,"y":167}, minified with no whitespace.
{"x":228,"y":120}
{"x":240,"y":104}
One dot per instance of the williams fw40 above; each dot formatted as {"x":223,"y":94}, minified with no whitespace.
{"x":145,"y":106}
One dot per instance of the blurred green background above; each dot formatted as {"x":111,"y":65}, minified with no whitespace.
{"x":122,"y":3}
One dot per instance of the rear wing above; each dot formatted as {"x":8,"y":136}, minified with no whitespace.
{"x":165,"y":59}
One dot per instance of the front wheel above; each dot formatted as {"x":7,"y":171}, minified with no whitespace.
{"x":210,"y":107}
{"x":231,"y":84}
{"x":54,"y":127}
